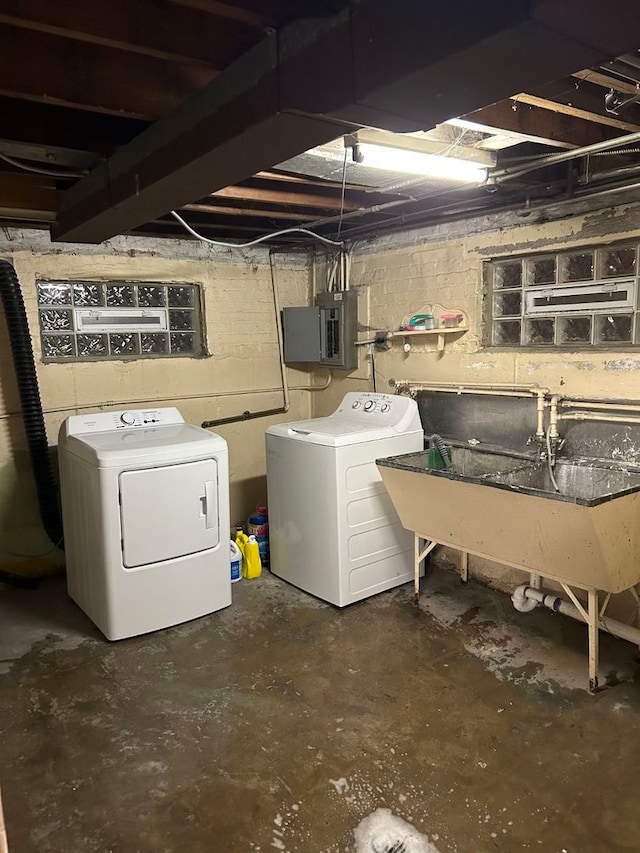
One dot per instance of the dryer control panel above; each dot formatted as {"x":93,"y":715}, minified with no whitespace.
{"x":379,"y":409}
{"x":121,"y":420}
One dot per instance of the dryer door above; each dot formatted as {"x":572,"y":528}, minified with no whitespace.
{"x":169,"y":512}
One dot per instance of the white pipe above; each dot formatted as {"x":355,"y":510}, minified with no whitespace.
{"x":593,"y":404}
{"x":561,"y":605}
{"x":286,"y":405}
{"x":534,"y":388}
{"x":322,"y":387}
{"x":540,"y":411}
{"x":553,"y":419}
{"x":595,"y":416}
{"x":520,"y":601}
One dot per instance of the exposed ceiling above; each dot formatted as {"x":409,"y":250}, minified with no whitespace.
{"x":223,"y":99}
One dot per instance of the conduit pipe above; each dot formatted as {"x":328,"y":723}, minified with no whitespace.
{"x":562,"y":157}
{"x":280,"y":410}
{"x":502,"y":389}
{"x":524,"y":594}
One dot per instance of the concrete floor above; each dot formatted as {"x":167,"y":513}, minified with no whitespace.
{"x":281,"y":722}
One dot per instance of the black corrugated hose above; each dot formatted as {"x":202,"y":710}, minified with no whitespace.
{"x":32,"y":415}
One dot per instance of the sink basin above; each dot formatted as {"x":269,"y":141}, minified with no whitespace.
{"x":504,"y":507}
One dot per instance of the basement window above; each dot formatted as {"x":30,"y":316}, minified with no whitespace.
{"x":579,"y":299}
{"x":101,"y":321}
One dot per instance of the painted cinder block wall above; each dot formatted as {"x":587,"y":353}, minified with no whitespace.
{"x":398,"y":275}
{"x":241,"y":373}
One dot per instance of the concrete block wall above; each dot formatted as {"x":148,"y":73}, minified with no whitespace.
{"x":398,"y":275}
{"x":241,"y":373}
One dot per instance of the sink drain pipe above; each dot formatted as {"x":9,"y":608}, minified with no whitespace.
{"x":525,"y":596}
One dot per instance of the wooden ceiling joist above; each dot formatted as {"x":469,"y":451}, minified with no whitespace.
{"x":254,"y":213}
{"x":607,"y":81}
{"x":32,"y":197}
{"x":311,"y":200}
{"x":262,"y":13}
{"x":48,"y":124}
{"x":540,"y":125}
{"x":153,"y":29}
{"x":302,"y":88}
{"x":92,"y":77}
{"x":576,"y":112}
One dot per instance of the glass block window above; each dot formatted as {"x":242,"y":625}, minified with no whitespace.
{"x":577,"y":299}
{"x":101,"y":321}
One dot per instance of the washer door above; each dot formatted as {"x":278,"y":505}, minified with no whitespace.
{"x":169,"y":512}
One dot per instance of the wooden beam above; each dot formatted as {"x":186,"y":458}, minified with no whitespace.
{"x":576,"y":112}
{"x":298,"y":90}
{"x":53,"y":70}
{"x":250,"y":212}
{"x":606,"y":81}
{"x":322,"y":202}
{"x":161,"y":30}
{"x":545,"y":126}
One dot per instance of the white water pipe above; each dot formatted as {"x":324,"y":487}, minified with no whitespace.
{"x":462,"y":386}
{"x":599,"y":404}
{"x":596,"y":416}
{"x":523,"y":595}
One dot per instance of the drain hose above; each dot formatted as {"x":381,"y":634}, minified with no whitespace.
{"x":33,"y":418}
{"x":438,"y":442}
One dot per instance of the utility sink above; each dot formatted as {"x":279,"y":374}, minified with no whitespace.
{"x":504,"y":507}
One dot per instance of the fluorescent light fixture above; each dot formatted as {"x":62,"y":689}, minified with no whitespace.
{"x":419,"y":163}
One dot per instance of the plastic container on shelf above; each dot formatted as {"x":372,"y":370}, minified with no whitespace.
{"x":451,"y":319}
{"x":236,"y":562}
{"x":420,"y":323}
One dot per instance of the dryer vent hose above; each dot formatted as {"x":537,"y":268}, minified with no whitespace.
{"x":20,"y":341}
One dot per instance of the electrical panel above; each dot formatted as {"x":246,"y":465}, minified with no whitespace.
{"x":338,"y":328}
{"x":324,"y":334}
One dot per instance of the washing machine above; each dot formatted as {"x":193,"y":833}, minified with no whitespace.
{"x":333,"y":530}
{"x":145,"y":505}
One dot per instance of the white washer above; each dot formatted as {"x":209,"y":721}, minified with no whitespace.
{"x":333,"y":530}
{"x":145,"y":505}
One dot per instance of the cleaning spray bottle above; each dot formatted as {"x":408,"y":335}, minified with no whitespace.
{"x":251,"y":565}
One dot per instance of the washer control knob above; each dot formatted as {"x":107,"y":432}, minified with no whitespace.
{"x":356,"y":405}
{"x":369,"y":405}
{"x":128,"y":418}
{"x":385,"y":407}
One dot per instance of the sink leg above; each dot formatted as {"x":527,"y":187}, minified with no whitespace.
{"x":594,"y":641}
{"x":464,"y":566}
{"x":416,"y":567}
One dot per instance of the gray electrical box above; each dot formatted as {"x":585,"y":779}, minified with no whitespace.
{"x":324,"y":334}
{"x":301,"y":333}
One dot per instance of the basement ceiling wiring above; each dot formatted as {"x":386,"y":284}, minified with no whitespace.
{"x":37,"y":170}
{"x":271,"y":236}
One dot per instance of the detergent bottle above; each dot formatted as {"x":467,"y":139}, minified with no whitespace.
{"x":241,"y":541}
{"x":251,"y":566}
